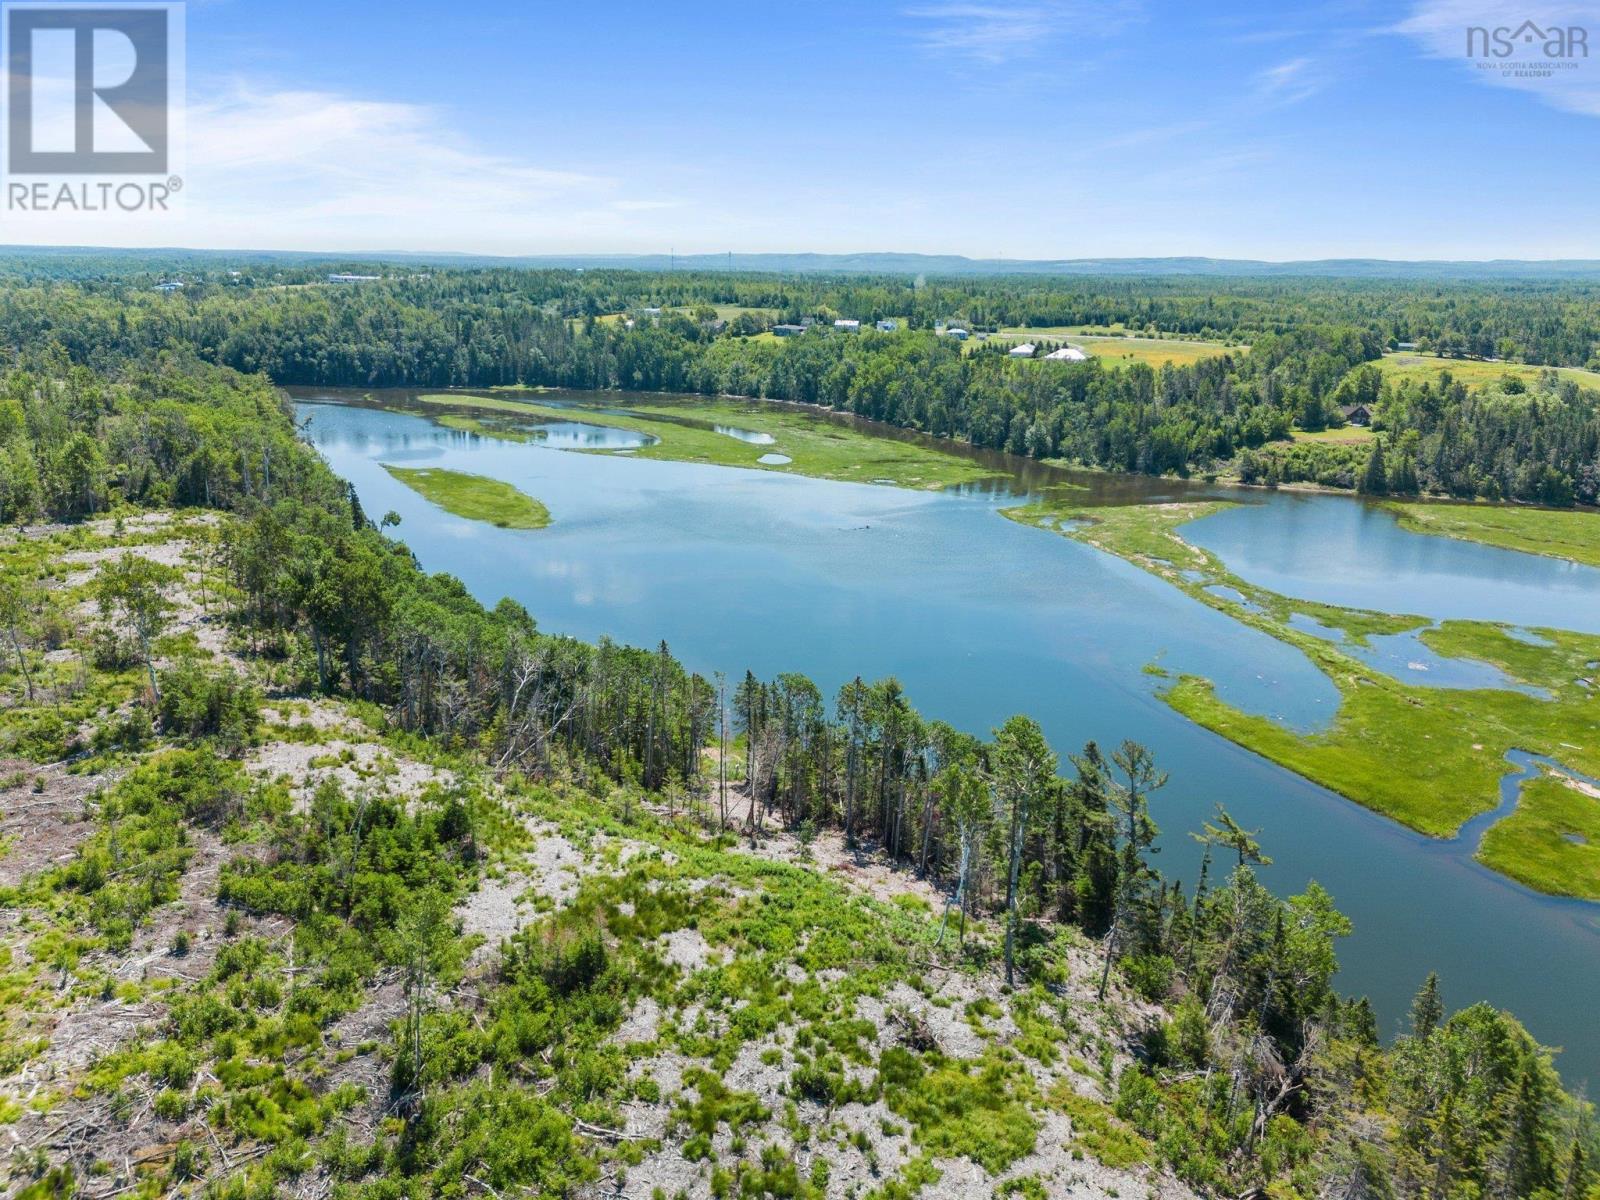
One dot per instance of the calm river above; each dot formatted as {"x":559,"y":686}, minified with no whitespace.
{"x":981,"y":618}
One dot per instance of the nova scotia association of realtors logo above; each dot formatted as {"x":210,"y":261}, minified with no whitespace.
{"x":1529,"y":50}
{"x":94,"y":106}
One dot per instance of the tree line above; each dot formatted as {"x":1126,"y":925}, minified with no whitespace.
{"x":1539,"y":321}
{"x":1508,"y":439}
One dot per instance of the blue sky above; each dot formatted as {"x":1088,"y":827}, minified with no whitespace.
{"x":1015,"y":128}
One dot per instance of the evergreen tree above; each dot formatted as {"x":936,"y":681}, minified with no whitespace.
{"x":1374,"y":479}
{"x":1427,"y":1010}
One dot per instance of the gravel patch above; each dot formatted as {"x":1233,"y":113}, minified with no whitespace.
{"x":686,"y":948}
{"x":355,"y":766}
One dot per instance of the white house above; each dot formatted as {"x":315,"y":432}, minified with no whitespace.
{"x":1023,"y":351}
{"x":848,"y":326}
{"x":1067,"y":354}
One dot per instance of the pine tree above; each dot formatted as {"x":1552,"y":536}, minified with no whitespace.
{"x":1023,"y":767}
{"x":1529,"y":1159}
{"x":1131,"y":803}
{"x":1427,"y":1010}
{"x":1375,"y":479}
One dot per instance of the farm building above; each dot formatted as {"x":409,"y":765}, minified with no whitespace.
{"x":1023,"y":351}
{"x":1067,"y":354}
{"x":788,"y":330}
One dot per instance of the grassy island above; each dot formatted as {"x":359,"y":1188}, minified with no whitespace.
{"x":474,"y":497}
{"x":728,"y":433}
{"x":1430,"y":758}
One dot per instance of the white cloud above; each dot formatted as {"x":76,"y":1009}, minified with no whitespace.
{"x":1440,"y":28}
{"x":996,"y":33}
{"x":1289,"y":81}
{"x":300,"y":169}
{"x":329,"y":156}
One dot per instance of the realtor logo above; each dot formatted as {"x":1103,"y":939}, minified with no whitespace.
{"x":94,"y":105}
{"x":1528,"y":39}
{"x":88,"y":90}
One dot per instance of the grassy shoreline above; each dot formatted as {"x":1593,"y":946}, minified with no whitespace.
{"x":1551,"y":840}
{"x":1430,"y":758}
{"x":1572,"y":535}
{"x":475,"y":497}
{"x":688,"y":433}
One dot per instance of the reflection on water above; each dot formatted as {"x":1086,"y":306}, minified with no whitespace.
{"x":578,"y":435}
{"x":981,"y":618}
{"x":746,"y":435}
{"x":1014,"y":477}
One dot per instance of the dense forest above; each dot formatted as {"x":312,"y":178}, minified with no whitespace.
{"x":1301,"y":354}
{"x":1544,"y":322}
{"x":1253,"y":1076}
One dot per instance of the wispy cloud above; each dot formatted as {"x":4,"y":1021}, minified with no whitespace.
{"x":1439,"y":28}
{"x":993,"y":34}
{"x":287,"y":168}
{"x":340,"y":155}
{"x":1150,"y":135}
{"x":1290,"y":81}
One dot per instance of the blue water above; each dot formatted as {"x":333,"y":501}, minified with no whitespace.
{"x":1232,"y":595}
{"x":1528,"y":766}
{"x":981,"y":618}
{"x":581,"y":435}
{"x":1406,"y":657}
{"x":749,"y":436}
{"x":1341,"y":551}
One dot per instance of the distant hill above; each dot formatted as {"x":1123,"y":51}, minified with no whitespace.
{"x":874,"y":263}
{"x":952,"y":264}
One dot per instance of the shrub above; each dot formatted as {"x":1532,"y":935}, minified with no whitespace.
{"x":217,"y":704}
{"x":1150,"y":975}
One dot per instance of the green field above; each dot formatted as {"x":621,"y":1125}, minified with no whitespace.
{"x":1350,"y":435}
{"x":1554,"y":533}
{"x":1120,"y":351}
{"x":1411,"y":365}
{"x":1430,"y":758}
{"x":816,"y":447}
{"x":474,"y":497}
